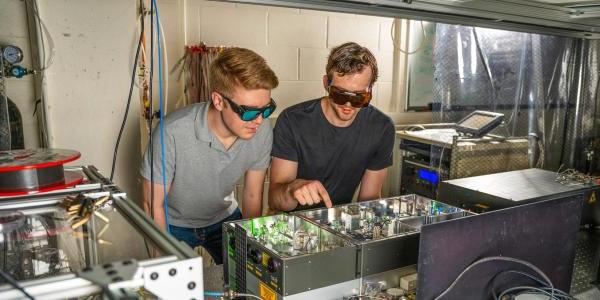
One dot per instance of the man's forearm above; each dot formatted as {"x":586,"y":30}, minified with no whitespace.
{"x":159,"y":214}
{"x":280,"y":198}
{"x":250,"y":211}
{"x":155,"y":198}
{"x":159,"y":217}
{"x":251,"y":205}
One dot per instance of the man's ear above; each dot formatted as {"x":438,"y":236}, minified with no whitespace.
{"x":326,"y":82}
{"x":217,"y":101}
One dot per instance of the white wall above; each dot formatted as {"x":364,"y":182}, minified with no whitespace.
{"x":14,"y":31}
{"x":95,"y":42}
{"x":295,"y":43}
{"x":89,"y":81}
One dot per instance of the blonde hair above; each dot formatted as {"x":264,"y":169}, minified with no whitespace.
{"x":235,"y":67}
{"x":350,"y":58}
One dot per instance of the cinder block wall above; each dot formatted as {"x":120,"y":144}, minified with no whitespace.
{"x":295,"y":42}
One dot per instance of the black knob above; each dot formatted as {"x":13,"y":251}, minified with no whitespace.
{"x":272,"y":265}
{"x":255,"y":256}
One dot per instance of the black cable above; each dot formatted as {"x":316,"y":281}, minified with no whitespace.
{"x":143,"y":17}
{"x":495,"y":258}
{"x":551,"y":293}
{"x":150,"y":95}
{"x":133,"y":73}
{"x":42,"y":65}
{"x":43,"y":62}
{"x":556,"y":292}
{"x":15,"y":284}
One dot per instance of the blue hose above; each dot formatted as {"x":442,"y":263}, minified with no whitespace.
{"x":213,"y":294}
{"x":161,"y":115}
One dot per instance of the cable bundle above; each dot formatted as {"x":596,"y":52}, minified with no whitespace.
{"x":546,"y":288}
{"x":194,"y":67}
{"x":574,"y":177}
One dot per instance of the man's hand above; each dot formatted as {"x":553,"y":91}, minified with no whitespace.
{"x":309,"y":192}
{"x":286,"y":191}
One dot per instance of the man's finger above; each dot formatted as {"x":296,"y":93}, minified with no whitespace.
{"x":300,"y":197}
{"x":314,"y":194}
{"x":325,"y":196}
{"x":307,"y":196}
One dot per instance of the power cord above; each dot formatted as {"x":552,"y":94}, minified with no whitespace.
{"x":545,"y":289}
{"x":533,"y":290}
{"x":496,"y":258}
{"x":43,"y":31}
{"x":133,"y":74}
{"x":151,"y":99}
{"x":229,"y":295}
{"x":397,"y":46}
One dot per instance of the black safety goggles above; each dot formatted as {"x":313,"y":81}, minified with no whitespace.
{"x":251,"y":113}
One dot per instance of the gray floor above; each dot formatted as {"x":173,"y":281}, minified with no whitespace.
{"x":213,"y":278}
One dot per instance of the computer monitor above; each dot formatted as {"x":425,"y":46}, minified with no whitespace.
{"x":542,"y":233}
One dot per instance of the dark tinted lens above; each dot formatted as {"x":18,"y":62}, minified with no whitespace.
{"x":268,"y":111}
{"x":250,"y":115}
{"x":357,"y":100}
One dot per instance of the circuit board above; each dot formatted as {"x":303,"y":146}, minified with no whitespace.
{"x":385,"y":218}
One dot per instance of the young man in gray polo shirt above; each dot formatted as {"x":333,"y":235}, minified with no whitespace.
{"x":208,"y":147}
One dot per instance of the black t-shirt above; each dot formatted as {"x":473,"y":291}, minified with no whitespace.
{"x":336,"y":156}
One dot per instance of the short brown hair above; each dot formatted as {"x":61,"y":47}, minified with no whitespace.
{"x":350,"y":58}
{"x":240,"y":67}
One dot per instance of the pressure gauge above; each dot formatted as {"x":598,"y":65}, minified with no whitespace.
{"x":12,"y":54}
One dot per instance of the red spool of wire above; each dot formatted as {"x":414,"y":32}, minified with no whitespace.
{"x":30,"y":171}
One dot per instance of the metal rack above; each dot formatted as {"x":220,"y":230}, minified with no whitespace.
{"x":117,"y":251}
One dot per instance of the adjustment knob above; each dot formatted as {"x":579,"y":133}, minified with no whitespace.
{"x":272,"y":265}
{"x":255,"y":256}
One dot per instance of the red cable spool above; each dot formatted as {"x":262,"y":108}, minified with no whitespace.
{"x":32,"y":171}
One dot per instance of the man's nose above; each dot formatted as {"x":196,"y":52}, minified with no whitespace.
{"x":258,"y":120}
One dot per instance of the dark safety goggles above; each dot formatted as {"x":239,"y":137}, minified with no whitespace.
{"x":356,"y":99}
{"x":251,"y":113}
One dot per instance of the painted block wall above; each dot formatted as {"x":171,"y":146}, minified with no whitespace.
{"x":295,"y":43}
{"x":88,"y":84}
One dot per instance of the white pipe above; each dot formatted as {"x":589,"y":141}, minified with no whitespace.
{"x":165,"y":69}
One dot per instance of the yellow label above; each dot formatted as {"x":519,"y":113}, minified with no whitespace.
{"x":592,"y":198}
{"x":265,"y":292}
{"x":265,"y":259}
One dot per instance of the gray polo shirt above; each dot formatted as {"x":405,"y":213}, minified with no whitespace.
{"x":201,"y":172}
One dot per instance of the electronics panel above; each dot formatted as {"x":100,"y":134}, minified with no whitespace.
{"x":329,"y":253}
{"x":284,"y":255}
{"x":379,"y":219}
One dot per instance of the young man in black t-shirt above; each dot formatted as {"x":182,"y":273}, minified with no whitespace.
{"x":324,"y":148}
